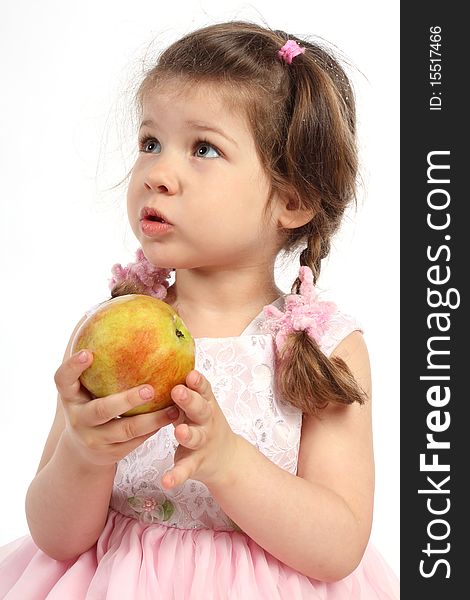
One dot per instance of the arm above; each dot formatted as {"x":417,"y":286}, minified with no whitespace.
{"x":59,"y":498}
{"x":318,"y":521}
{"x":67,"y":502}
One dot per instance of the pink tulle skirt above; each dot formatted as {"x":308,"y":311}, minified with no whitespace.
{"x":136,"y":561}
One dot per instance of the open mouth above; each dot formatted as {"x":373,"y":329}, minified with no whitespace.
{"x":151,"y":214}
{"x":152,"y":223}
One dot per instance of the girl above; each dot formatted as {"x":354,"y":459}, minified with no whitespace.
{"x":259,"y":482}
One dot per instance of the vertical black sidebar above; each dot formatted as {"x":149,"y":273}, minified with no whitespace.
{"x":435,"y":330}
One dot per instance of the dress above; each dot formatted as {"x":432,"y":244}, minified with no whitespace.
{"x":178,"y":544}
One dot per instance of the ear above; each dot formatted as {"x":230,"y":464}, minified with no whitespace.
{"x":290,"y":215}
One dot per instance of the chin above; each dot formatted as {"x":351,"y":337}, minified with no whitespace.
{"x":159,"y":256}
{"x":153,"y":255}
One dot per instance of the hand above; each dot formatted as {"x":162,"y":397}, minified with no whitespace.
{"x":92,"y":424}
{"x":207,"y":445}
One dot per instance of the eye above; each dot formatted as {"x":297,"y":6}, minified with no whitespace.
{"x":204,"y":149}
{"x":148,"y":144}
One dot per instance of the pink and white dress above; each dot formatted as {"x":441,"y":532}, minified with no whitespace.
{"x":179,"y":544}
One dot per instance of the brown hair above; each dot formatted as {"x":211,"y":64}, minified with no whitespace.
{"x":302,"y":116}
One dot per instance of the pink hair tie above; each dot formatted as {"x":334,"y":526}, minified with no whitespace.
{"x":151,"y":279}
{"x":302,"y":312}
{"x":290,"y":50}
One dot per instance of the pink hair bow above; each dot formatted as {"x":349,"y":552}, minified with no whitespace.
{"x":290,"y":50}
{"x":302,"y":312}
{"x":152,"y":279}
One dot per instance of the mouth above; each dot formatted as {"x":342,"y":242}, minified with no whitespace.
{"x":151,"y":214}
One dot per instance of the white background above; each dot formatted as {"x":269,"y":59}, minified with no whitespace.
{"x":68,"y":71}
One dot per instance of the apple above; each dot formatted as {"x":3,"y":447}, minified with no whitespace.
{"x":135,"y":339}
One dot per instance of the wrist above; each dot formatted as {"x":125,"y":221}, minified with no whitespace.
{"x":235,"y":456}
{"x":68,"y":451}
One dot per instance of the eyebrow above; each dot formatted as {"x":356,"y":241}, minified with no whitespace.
{"x":197,"y":125}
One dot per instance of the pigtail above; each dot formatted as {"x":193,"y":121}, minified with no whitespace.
{"x":322,"y":120}
{"x":139,"y":277}
{"x":127,"y":287}
{"x":311,"y":256}
{"x":306,"y":378}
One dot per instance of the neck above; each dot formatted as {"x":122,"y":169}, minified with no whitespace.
{"x":205,"y":295}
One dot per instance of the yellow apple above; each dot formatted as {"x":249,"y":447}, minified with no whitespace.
{"x":135,"y":339}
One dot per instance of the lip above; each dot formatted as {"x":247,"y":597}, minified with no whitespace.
{"x":150,"y":211}
{"x":153,"y":229}
{"x":149,"y":226}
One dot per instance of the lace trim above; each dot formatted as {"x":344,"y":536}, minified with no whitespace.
{"x":339,"y":327}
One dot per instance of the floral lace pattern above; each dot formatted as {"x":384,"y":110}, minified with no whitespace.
{"x":240,"y":370}
{"x":149,"y":510}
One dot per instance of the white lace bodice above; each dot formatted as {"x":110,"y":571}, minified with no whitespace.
{"x":240,"y":371}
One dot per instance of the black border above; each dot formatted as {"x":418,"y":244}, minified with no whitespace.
{"x":423,"y":131}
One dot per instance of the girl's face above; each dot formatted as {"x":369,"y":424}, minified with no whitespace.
{"x":198,"y":168}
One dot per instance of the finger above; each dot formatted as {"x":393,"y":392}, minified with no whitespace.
{"x":128,"y":428}
{"x":67,"y":376}
{"x":190,"y":436}
{"x":197,"y":382}
{"x":102,"y":410}
{"x":196,"y":407}
{"x":124,"y":448}
{"x":120,"y":449}
{"x":180,"y":473}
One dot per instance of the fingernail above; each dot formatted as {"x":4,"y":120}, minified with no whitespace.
{"x":83,"y":356}
{"x":146,"y":393}
{"x":173,"y":412}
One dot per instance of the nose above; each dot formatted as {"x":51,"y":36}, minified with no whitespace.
{"x":161,"y":177}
